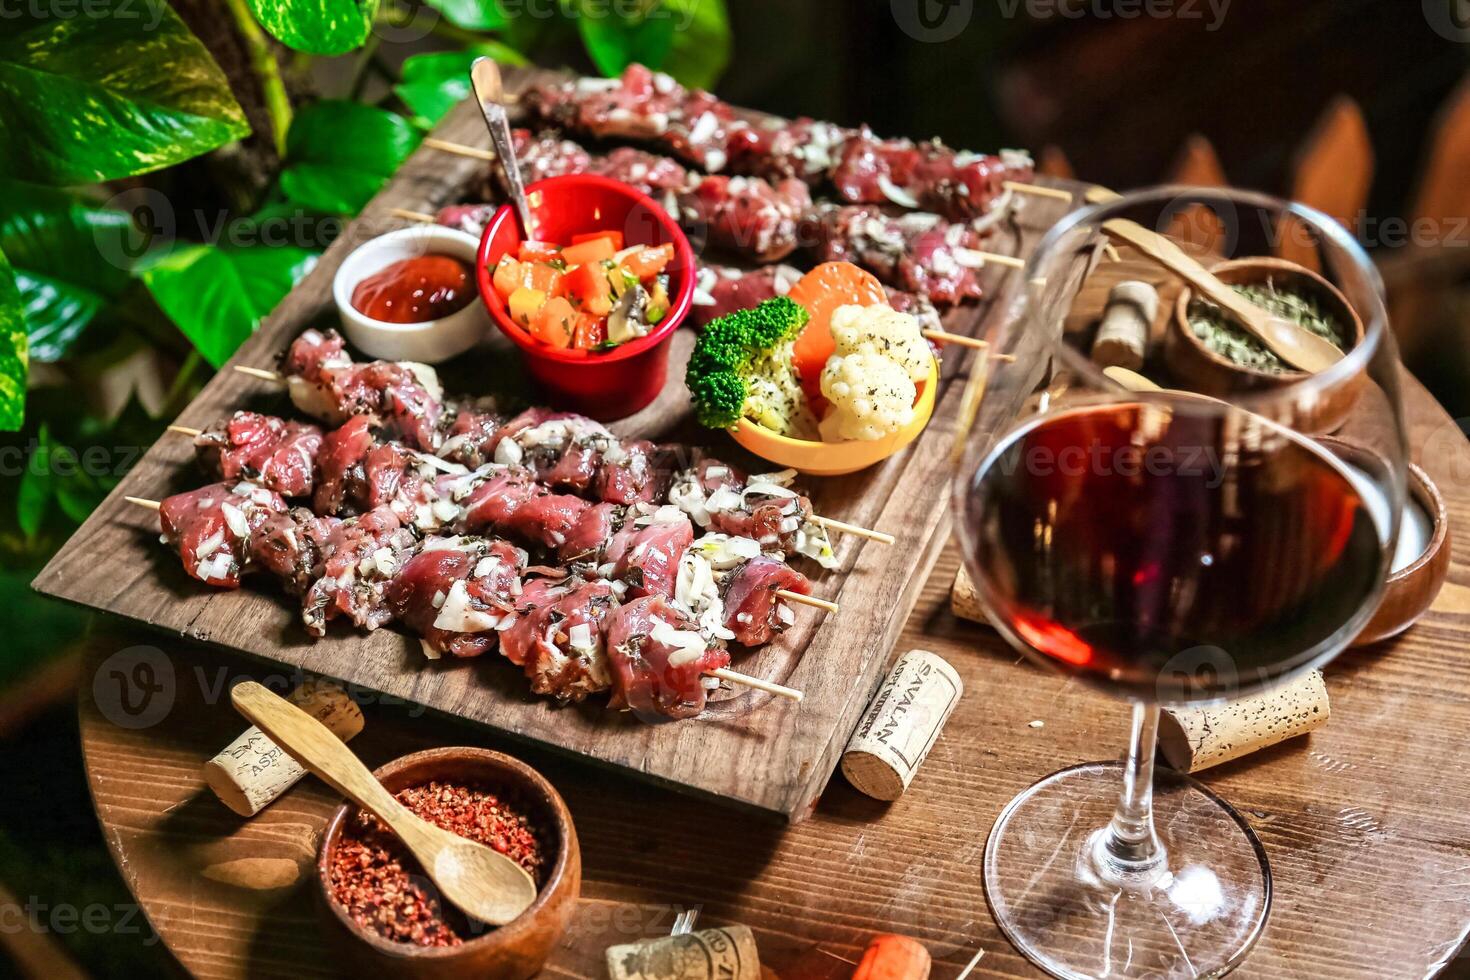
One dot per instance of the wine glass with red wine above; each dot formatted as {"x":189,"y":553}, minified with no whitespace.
{"x":1180,"y":546}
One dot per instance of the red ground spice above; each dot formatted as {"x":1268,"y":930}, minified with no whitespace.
{"x":384,"y":889}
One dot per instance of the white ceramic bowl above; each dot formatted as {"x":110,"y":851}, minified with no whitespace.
{"x":432,"y":341}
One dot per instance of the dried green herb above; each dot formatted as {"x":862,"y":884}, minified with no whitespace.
{"x":1218,"y":331}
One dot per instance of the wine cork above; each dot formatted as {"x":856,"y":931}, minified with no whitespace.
{"x":709,"y":954}
{"x":252,"y":771}
{"x":1122,"y":337}
{"x":1197,"y":738}
{"x":901,"y":725}
{"x":964,"y":599}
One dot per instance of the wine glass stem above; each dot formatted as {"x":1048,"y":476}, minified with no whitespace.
{"x":1129,"y":851}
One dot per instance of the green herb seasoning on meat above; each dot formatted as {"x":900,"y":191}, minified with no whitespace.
{"x":1219,"y":332}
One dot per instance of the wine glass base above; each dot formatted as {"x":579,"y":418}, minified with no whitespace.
{"x":1198,"y":918}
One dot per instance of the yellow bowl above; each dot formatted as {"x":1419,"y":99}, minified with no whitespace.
{"x":837,"y":458}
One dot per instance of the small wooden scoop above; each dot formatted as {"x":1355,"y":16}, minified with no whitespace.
{"x":1131,"y":380}
{"x":1300,"y":348}
{"x":484,"y":883}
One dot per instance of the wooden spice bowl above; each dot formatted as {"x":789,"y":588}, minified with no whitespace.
{"x":1198,"y":368}
{"x":1410,"y":590}
{"x":516,"y":950}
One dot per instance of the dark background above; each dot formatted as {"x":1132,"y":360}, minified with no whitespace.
{"x":1117,"y":96}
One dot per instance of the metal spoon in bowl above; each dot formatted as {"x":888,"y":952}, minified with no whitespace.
{"x":481,"y":881}
{"x":490,"y":94}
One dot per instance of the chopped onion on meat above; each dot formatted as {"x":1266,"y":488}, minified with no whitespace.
{"x":217,"y":567}
{"x":210,"y":545}
{"x":688,"y":496}
{"x":442,"y":465}
{"x":233,"y":516}
{"x":457,"y":615}
{"x":688,"y":646}
{"x":895,"y":193}
{"x":813,"y":542}
{"x":508,"y":453}
{"x":580,"y":638}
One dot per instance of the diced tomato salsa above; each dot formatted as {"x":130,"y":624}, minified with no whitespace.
{"x":591,"y":294}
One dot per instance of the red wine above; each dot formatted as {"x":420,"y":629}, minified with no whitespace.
{"x":1168,"y":555}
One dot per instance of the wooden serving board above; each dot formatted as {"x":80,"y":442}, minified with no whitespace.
{"x":747,"y":748}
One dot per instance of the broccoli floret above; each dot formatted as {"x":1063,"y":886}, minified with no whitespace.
{"x":776,"y":321}
{"x":719,"y":398}
{"x":731,"y":350}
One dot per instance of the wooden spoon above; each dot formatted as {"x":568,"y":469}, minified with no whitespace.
{"x":1298,"y":347}
{"x":490,"y":94}
{"x":1129,"y":379}
{"x":483,"y":882}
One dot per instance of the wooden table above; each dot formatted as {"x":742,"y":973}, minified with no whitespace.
{"x":1365,"y":821}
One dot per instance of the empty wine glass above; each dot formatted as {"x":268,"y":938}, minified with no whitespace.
{"x":1169,"y":547}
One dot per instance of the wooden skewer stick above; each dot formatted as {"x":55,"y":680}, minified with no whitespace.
{"x":807,"y":600}
{"x":745,"y":680}
{"x":835,"y":525}
{"x":460,"y":149}
{"x":973,"y":395}
{"x":1038,"y":191}
{"x":1009,"y":261}
{"x":184,"y":430}
{"x":970,"y":966}
{"x":423,"y":217}
{"x":734,"y":677}
{"x":960,"y":340}
{"x":260,"y":373}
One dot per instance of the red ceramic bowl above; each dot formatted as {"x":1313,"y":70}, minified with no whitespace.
{"x":623,"y":380}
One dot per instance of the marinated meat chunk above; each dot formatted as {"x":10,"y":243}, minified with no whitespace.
{"x":212,"y":528}
{"x":659,"y":660}
{"x":274,"y":453}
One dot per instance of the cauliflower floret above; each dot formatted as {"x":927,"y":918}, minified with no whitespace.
{"x":774,"y":397}
{"x":871,"y":394}
{"x":883,"y":330}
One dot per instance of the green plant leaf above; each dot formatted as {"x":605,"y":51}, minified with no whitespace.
{"x":615,"y":41}
{"x":34,"y":493}
{"x":472,"y":15}
{"x":122,"y":89}
{"x":702,"y":41}
{"x":218,"y":295}
{"x":317,"y":26}
{"x":81,"y":494}
{"x":338,"y":154}
{"x":529,"y":28}
{"x":14,"y":363}
{"x":70,"y":259}
{"x":436,"y":82}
